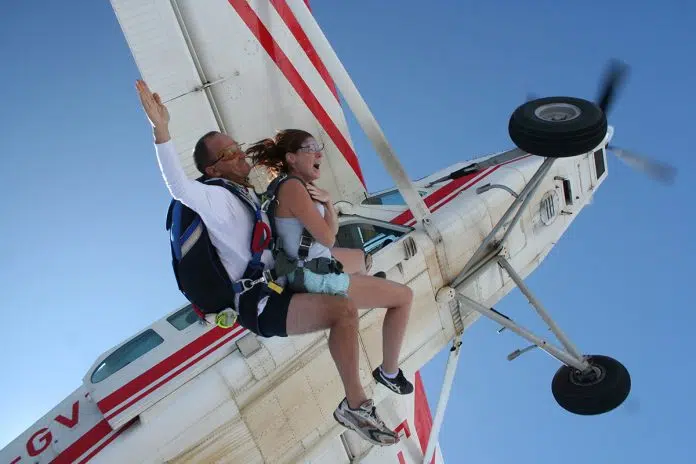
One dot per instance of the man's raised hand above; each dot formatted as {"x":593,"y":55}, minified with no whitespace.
{"x":155,"y":110}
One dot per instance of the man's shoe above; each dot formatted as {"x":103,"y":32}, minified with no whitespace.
{"x":398,"y":384}
{"x":365,"y":422}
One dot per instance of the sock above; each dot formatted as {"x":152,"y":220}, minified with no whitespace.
{"x":352,"y":409}
{"x":387,"y":375}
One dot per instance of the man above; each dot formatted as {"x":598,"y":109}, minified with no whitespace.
{"x":229,"y":225}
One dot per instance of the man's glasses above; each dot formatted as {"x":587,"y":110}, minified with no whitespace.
{"x":232,"y":152}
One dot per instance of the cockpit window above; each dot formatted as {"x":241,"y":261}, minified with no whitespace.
{"x":368,"y":237}
{"x":183,"y":318}
{"x":393,"y":197}
{"x":126,"y":354}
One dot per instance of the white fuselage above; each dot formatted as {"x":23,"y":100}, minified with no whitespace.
{"x":203,"y":394}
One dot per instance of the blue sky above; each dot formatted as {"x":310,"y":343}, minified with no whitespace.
{"x":85,"y":259}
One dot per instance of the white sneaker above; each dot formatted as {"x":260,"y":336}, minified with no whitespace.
{"x":365,"y":422}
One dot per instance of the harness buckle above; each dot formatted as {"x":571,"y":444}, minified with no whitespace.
{"x":266,"y":277}
{"x":265,"y":204}
{"x":248,"y":284}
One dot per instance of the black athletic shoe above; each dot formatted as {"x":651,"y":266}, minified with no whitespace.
{"x":398,"y":384}
{"x":381,"y":274}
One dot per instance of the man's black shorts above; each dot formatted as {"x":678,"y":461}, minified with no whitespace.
{"x":272,"y":321}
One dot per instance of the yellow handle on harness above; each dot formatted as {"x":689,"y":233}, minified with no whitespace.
{"x":275,"y":287}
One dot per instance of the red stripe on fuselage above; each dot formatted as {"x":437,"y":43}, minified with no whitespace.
{"x":239,"y":329}
{"x":451,"y":187}
{"x":263,"y":35}
{"x":162,"y":368}
{"x":106,"y":442}
{"x":84,"y":443}
{"x":441,"y":193}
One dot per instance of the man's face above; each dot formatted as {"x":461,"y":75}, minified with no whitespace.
{"x":227,"y":158}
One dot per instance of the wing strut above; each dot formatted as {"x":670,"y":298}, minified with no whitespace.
{"x":360,"y":109}
{"x":444,"y":396}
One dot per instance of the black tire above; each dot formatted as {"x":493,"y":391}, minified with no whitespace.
{"x":557,"y":127}
{"x":596,"y":394}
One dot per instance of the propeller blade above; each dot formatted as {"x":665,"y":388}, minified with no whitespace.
{"x":657,"y":170}
{"x":613,"y":78}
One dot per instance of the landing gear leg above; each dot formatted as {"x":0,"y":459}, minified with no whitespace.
{"x":585,"y":385}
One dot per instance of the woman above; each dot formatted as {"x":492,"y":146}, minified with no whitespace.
{"x":302,"y":205}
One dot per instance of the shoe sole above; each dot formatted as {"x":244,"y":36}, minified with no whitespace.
{"x":361,"y":433}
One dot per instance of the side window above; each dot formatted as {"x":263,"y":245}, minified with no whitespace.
{"x":126,"y":354}
{"x":183,"y":318}
{"x":369,"y":237}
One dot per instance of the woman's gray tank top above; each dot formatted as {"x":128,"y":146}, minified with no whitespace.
{"x":289,"y":231}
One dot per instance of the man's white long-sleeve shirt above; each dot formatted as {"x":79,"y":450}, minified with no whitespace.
{"x":228,"y":220}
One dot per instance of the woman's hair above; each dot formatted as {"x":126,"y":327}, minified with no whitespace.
{"x":271,"y":152}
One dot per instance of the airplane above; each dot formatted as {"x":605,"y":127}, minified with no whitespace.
{"x":462,"y":238}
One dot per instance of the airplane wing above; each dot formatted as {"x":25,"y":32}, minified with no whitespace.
{"x":243,"y":67}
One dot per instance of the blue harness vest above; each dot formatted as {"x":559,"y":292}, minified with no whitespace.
{"x":199,"y":273}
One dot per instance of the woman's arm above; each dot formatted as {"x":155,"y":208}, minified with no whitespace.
{"x":323,"y":197}
{"x":294,"y":194}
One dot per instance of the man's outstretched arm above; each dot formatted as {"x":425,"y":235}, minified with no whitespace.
{"x":190,"y":192}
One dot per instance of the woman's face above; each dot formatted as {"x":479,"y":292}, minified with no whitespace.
{"x":306,"y":161}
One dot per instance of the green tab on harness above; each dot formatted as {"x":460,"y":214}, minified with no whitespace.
{"x":226,"y":318}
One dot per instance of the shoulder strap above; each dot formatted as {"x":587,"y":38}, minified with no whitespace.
{"x":234,"y":189}
{"x":270,"y":202}
{"x":261,"y":235}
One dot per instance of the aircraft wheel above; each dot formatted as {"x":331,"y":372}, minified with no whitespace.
{"x":597,"y":392}
{"x":557,"y":127}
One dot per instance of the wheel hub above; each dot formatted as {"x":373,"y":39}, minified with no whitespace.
{"x":593,"y":376}
{"x":557,"y":112}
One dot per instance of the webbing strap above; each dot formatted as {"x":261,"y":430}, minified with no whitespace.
{"x":306,"y":241}
{"x":261,"y":237}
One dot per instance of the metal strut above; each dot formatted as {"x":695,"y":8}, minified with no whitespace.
{"x":517,"y":206}
{"x":444,"y":396}
{"x":565,"y":357}
{"x":489,"y":253}
{"x":486,"y":255}
{"x":567,"y":344}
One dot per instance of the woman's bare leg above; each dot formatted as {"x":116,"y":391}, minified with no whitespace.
{"x":353,"y":259}
{"x":313,"y":312}
{"x":372,"y":292}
